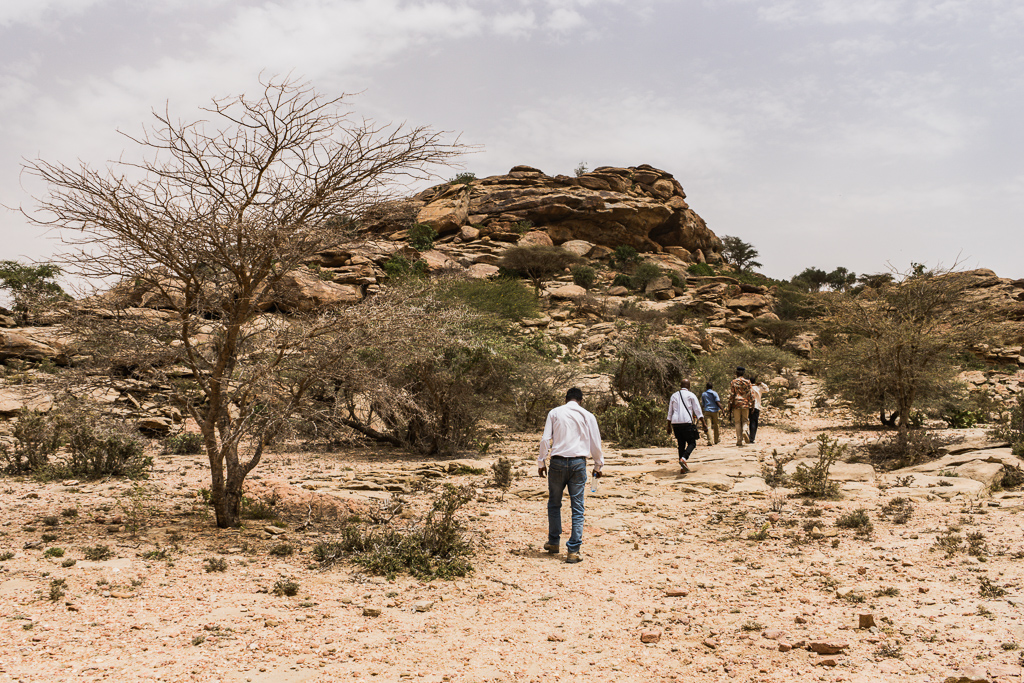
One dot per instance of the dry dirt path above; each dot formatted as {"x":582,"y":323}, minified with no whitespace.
{"x":667,"y":559}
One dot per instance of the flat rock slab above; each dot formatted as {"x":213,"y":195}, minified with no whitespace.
{"x":841,"y":471}
{"x":711,"y":480}
{"x":754,"y":485}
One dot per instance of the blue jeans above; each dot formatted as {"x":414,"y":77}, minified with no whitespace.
{"x":562,"y":472}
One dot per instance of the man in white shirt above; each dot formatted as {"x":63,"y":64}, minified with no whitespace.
{"x":757,"y":390}
{"x":570,"y":436}
{"x":684,"y":414}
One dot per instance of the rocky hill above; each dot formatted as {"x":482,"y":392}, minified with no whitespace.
{"x":476,"y":222}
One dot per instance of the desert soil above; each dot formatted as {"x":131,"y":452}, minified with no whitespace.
{"x":667,"y":559}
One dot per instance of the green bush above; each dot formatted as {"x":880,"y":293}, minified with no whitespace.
{"x":700,"y":269}
{"x":536,"y":262}
{"x":399,"y":267}
{"x":898,"y":510}
{"x":259,"y":508}
{"x":857,"y":520}
{"x":584,"y":276}
{"x":677,"y":280}
{"x":285,"y":588}
{"x":421,"y":237}
{"x":625,"y":256}
{"x":960,"y":418}
{"x":505,"y":298}
{"x":645,"y":274}
{"x":98,"y":452}
{"x":436,"y":548}
{"x":37,"y":437}
{"x":623,"y":280}
{"x":215,"y":564}
{"x":814,"y":481}
{"x":647,"y":368}
{"x":97,"y":553}
{"x":186,"y":443}
{"x":638,"y":424}
{"x":464,"y":178}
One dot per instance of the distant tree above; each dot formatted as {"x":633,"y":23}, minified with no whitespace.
{"x":841,"y":279}
{"x":537,"y":262}
{"x":739,"y":253}
{"x":895,"y":351}
{"x":876,"y":280}
{"x":211,"y":224}
{"x":812,"y":279}
{"x":30,"y":286}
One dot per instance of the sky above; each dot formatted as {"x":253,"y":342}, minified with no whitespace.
{"x":869,"y":134}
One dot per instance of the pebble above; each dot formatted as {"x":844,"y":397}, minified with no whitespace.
{"x":651,"y":636}
{"x":371,"y":611}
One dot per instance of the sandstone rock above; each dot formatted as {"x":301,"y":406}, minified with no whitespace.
{"x":154,"y":425}
{"x":29,"y":344}
{"x":579,"y":247}
{"x":651,"y":636}
{"x":567,"y":292}
{"x":482,"y":271}
{"x":865,"y":620}
{"x":676,"y":592}
{"x":423,"y":605}
{"x":970,"y":674}
{"x":447,"y":211}
{"x":660,"y":285}
{"x":301,"y":291}
{"x":468,"y":233}
{"x":16,"y":398}
{"x":827,"y":647}
{"x":535,"y":238}
{"x":438,"y":261}
{"x":556,"y":638}
{"x":371,"y":611}
{"x":617,"y":291}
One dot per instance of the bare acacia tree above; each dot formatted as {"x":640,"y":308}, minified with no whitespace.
{"x":894,"y":350}
{"x":209,"y":225}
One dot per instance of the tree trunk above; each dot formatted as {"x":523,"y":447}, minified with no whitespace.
{"x":229,"y":507}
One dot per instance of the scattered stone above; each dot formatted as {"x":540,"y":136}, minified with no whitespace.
{"x":711,"y":643}
{"x":652,"y":636}
{"x":827,"y":647}
{"x":556,"y":638}
{"x":274,"y":530}
{"x":970,"y":674}
{"x":423,"y":605}
{"x":371,"y":611}
{"x":676,"y":592}
{"x":828,"y":661}
{"x":865,"y":621}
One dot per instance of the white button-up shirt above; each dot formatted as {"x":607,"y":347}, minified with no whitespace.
{"x":571,"y":432}
{"x":677,"y":405}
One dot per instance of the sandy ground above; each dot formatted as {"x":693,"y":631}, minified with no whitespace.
{"x":665,"y":561}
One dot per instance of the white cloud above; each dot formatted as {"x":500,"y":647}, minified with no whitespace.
{"x":515,"y":24}
{"x":563,"y":20}
{"x":33,"y":12}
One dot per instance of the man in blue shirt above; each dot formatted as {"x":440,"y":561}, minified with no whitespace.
{"x":711,"y":403}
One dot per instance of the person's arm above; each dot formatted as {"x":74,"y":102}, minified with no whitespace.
{"x":698,"y":414}
{"x":668,"y":417}
{"x":545,"y":444}
{"x":595,"y":445}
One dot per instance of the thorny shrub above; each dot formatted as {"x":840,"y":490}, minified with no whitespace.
{"x":434,"y":548}
{"x":898,"y":510}
{"x":501,"y":475}
{"x":908,"y":447}
{"x":814,"y":481}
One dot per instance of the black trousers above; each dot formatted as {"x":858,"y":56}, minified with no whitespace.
{"x":754,"y":414}
{"x":686,"y":435}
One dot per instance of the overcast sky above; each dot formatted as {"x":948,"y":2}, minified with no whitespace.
{"x":824,"y":132}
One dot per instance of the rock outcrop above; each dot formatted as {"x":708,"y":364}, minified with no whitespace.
{"x":639,"y":206}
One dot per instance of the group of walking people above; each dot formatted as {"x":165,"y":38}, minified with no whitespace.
{"x":686,"y":414}
{"x":571,"y":435}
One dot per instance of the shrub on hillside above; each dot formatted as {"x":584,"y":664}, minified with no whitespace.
{"x":638,"y":424}
{"x":421,"y":237}
{"x":700,"y":269}
{"x":505,"y":298}
{"x":625,"y":256}
{"x":814,"y":481}
{"x":186,"y":443}
{"x":399,"y":267}
{"x":537,"y":262}
{"x":645,"y":274}
{"x":584,"y":276}
{"x":906,"y":448}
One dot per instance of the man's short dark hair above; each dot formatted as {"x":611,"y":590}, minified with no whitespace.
{"x":740,"y":371}
{"x":709,"y":386}
{"x":574,"y":394}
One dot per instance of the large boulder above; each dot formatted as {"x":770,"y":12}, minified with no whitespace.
{"x":34,"y":344}
{"x":16,"y":398}
{"x":640,"y":206}
{"x":302,"y":291}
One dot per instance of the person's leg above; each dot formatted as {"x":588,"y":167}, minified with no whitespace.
{"x":754,"y":415}
{"x":677,"y":430}
{"x":737,"y":421}
{"x":557,"y":480}
{"x":688,"y":443}
{"x":577,"y":482}
{"x":714,"y":425}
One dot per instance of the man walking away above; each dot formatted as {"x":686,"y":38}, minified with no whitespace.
{"x":740,"y":403}
{"x":683,"y":415}
{"x":711,"y":403}
{"x":757,"y":390}
{"x":570,"y":435}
